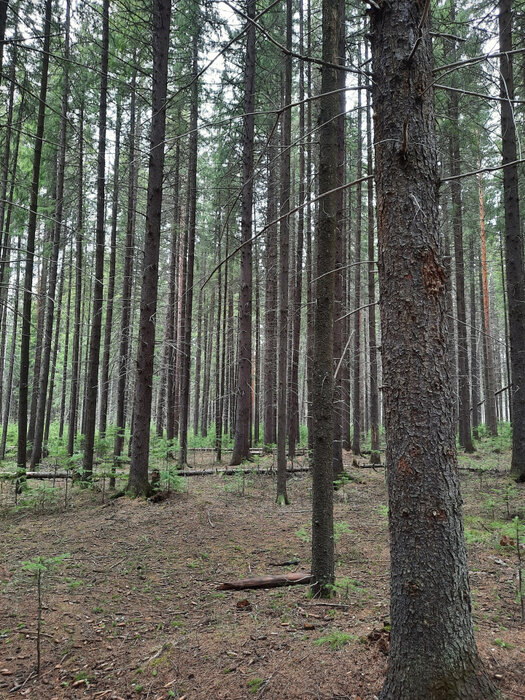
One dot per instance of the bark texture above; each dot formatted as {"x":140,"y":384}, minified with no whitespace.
{"x":138,"y":483}
{"x":513,"y":246}
{"x":323,"y":374}
{"x":433,"y":653}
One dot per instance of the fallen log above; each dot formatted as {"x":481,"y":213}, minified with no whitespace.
{"x":267,"y":581}
{"x":185,"y":472}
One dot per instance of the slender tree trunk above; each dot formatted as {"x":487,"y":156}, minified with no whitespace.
{"x":356,"y":412}
{"x":192,"y":213}
{"x":171,"y":312}
{"x":490,"y":398}
{"x":474,"y":366}
{"x":198,"y":365}
{"x":30,"y":247}
{"x":465,"y":436}
{"x":3,"y":22}
{"x":241,"y":448}
{"x":430,"y":597}
{"x":104,"y":379}
{"x":9,"y":382}
{"x":75,"y":353}
{"x":138,"y":484}
{"x":127,"y":281}
{"x":54,"y":354}
{"x":326,"y":243}
{"x":513,"y":245}
{"x":67,"y":340}
{"x":270,"y":303}
{"x":50,"y":293}
{"x":91,"y":388}
{"x":284,"y":262}
{"x":340,"y":274}
{"x":375,"y":457}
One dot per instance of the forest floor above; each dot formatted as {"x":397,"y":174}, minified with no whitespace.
{"x":135,"y":610}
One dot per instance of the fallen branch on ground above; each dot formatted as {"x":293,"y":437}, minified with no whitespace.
{"x":267,"y":581}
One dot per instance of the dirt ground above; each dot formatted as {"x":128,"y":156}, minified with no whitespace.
{"x":135,"y":610}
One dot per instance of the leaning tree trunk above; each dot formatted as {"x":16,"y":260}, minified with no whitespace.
{"x":323,"y":354}
{"x":433,"y":653}
{"x":138,"y":483}
{"x":513,"y":246}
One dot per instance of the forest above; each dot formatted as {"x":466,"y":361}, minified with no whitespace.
{"x":262,"y":331}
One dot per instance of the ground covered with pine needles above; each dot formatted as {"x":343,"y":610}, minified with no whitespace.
{"x":134,"y":610}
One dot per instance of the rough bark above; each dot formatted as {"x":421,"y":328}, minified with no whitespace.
{"x":91,"y":388}
{"x":188,"y":281}
{"x":30,"y":255}
{"x":513,"y":246}
{"x":79,"y":236}
{"x":49,"y":318}
{"x":356,"y":395}
{"x":241,"y":448}
{"x":138,"y":484}
{"x":284,"y":262}
{"x":270,"y":303}
{"x":323,"y":382}
{"x":433,"y":653}
{"x":375,"y":457}
{"x":104,"y":378}
{"x":491,"y":418}
{"x":127,"y":282}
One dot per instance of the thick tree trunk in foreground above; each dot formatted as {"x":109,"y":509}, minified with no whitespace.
{"x":513,"y":246}
{"x":138,"y":484}
{"x":433,"y":654}
{"x":323,"y":373}
{"x":241,"y":449}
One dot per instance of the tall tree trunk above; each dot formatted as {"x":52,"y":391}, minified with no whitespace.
{"x":284,"y":262}
{"x":270,"y":303}
{"x":356,"y":396}
{"x":91,"y":388}
{"x":3,"y":22}
{"x":340,"y":274}
{"x":323,"y":373}
{"x":430,"y":597}
{"x":465,"y":436}
{"x":375,"y":457}
{"x":67,"y":339}
{"x":138,"y":484}
{"x":9,"y":381}
{"x":171,"y":312}
{"x":241,"y":448}
{"x":104,"y":379}
{"x":30,"y":248}
{"x":36,"y":455}
{"x":474,"y":366}
{"x":490,"y":398}
{"x":513,"y":245}
{"x":75,"y":354}
{"x":188,"y":281}
{"x":54,"y":354}
{"x":127,"y":281}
